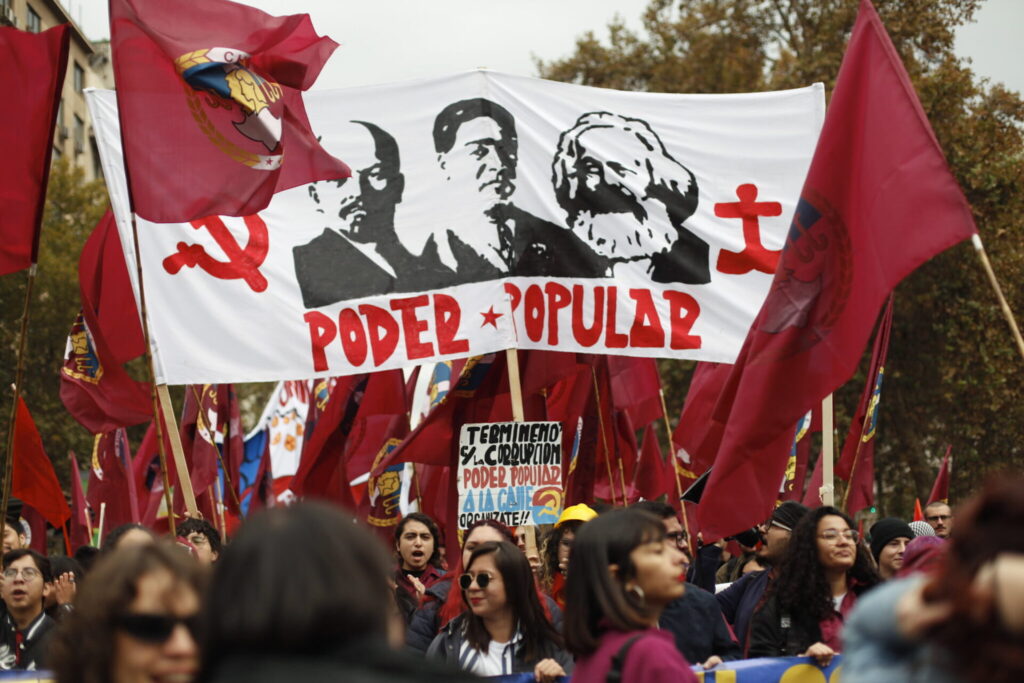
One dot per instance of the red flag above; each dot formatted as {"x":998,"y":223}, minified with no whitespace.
{"x":210,"y":427}
{"x":209,"y":96}
{"x":33,"y":479}
{"x":796,"y":467}
{"x":570,"y":401}
{"x":321,"y":470}
{"x":635,"y":388}
{"x":80,"y":519}
{"x":918,"y":514}
{"x":653,"y":478}
{"x":878,"y":201}
{"x":812,"y":496}
{"x":696,"y":435}
{"x":940,"y":490}
{"x":857,"y":464}
{"x":31,"y":80}
{"x":111,"y":480}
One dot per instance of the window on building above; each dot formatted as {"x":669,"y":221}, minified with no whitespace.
{"x":79,"y":78}
{"x":79,"y":135}
{"x":33,"y":24}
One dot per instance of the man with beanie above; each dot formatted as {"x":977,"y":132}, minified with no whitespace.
{"x":739,"y":600}
{"x":889,"y":539}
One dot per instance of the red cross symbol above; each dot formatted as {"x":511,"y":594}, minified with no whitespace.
{"x":754,"y":255}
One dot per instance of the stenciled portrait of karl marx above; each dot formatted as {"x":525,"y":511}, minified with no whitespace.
{"x":627,"y":198}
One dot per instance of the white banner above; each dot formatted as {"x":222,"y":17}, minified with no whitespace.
{"x":485,"y":211}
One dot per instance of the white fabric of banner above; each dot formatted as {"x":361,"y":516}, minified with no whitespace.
{"x":485,"y":212}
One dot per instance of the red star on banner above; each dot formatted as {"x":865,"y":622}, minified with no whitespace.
{"x":491,"y":318}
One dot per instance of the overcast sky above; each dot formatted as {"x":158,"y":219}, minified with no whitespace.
{"x":396,"y":40}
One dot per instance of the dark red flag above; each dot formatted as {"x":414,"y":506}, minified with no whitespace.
{"x":878,"y":201}
{"x":570,"y":401}
{"x":635,"y":388}
{"x":33,"y":479}
{"x":940,"y":490}
{"x":80,"y":522}
{"x":857,"y":464}
{"x":696,"y":435}
{"x":796,"y":467}
{"x":812,"y":496}
{"x":111,"y":481}
{"x":210,"y":427}
{"x":31,"y":80}
{"x":654,"y":477}
{"x":209,"y":96}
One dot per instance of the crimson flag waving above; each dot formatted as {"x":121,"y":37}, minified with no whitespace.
{"x":111,"y":480}
{"x":31,"y":80}
{"x":878,"y":201}
{"x":857,"y":464}
{"x":209,"y":96}
{"x":33,"y":479}
{"x":940,"y":490}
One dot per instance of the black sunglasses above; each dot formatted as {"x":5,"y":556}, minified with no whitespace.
{"x":155,"y":628}
{"x":466,"y":580}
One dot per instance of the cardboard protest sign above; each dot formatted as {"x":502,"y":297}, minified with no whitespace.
{"x":485,"y":212}
{"x":510,"y":471}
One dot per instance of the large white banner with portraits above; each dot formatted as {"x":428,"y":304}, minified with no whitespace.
{"x":485,"y":211}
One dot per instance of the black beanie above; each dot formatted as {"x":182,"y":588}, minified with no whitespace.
{"x":789,"y":513}
{"x":884,"y":530}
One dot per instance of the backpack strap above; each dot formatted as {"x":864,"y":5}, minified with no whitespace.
{"x":619,"y":661}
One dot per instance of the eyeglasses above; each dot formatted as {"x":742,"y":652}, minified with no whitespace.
{"x":677,"y":537}
{"x":155,"y":628}
{"x":939,"y":518}
{"x":482,"y":580}
{"x":27,"y":573}
{"x":833,"y":535}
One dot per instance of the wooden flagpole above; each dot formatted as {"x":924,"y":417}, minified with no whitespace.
{"x":1007,"y":313}
{"x":19,"y":373}
{"x":675,"y":470}
{"x":604,"y":439}
{"x":515,"y":387}
{"x":99,"y":529}
{"x":827,"y":490}
{"x":184,"y":478}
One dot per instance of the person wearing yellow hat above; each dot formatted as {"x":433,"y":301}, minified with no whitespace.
{"x":558,"y":547}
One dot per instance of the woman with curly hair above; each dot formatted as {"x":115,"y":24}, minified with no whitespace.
{"x":134,"y":619}
{"x":962,"y":621}
{"x":823,"y":571}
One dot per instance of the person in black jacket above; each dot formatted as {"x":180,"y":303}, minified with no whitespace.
{"x":503,"y":629}
{"x":694,"y":620}
{"x":823,"y":571}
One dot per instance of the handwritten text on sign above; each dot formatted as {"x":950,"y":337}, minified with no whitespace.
{"x":510,"y":471}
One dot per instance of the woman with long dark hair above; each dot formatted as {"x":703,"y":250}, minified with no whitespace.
{"x":503,"y":628}
{"x":621,"y":576}
{"x":824,"y":569}
{"x":418,"y":551}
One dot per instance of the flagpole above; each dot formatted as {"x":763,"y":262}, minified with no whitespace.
{"x":514,"y":386}
{"x":827,"y":490}
{"x":160,"y":397}
{"x":99,"y":529}
{"x":675,"y":470}
{"x":19,"y":373}
{"x":184,"y":478}
{"x":979,"y":248}
{"x":604,"y":439}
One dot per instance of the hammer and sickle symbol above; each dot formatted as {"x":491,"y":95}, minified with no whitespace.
{"x":242,"y":263}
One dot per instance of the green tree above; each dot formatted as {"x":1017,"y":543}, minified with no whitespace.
{"x":73,"y":207}
{"x":953,"y":375}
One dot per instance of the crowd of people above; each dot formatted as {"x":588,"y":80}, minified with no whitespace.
{"x":613,"y":594}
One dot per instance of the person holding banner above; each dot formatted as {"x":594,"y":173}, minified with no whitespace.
{"x":824,"y":570}
{"x":504,"y":628}
{"x":621,"y":577}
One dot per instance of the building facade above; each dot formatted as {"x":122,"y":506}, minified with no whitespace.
{"x":88,"y":67}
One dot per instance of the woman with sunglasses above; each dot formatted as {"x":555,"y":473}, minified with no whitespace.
{"x":621,"y":576}
{"x":504,"y":629}
{"x":134,"y":620}
{"x":822,"y":572}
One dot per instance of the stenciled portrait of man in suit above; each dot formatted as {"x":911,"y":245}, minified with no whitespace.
{"x":477,"y":151}
{"x":627,"y":198}
{"x":359,"y":253}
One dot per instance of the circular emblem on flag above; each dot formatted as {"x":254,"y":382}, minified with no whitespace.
{"x":236,"y":108}
{"x":813,"y":281}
